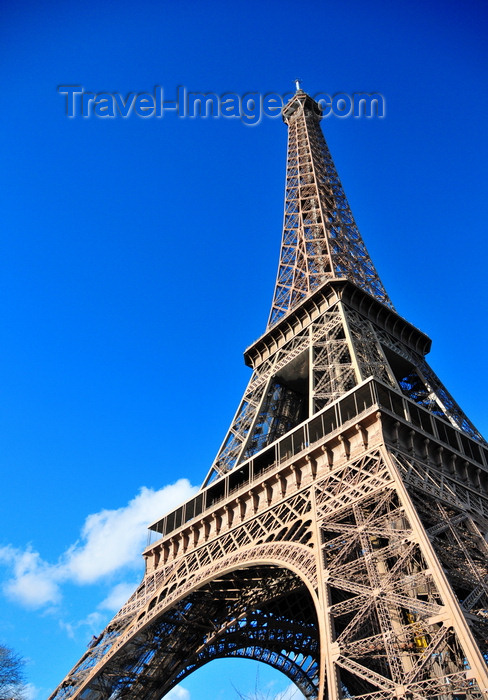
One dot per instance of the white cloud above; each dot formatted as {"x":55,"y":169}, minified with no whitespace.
{"x":178,"y":693}
{"x":31,"y":692}
{"x":34,"y":582}
{"x":93,"y":621}
{"x":110,"y":541}
{"x":290,"y":693}
{"x":113,"y":539}
{"x":118,"y":596}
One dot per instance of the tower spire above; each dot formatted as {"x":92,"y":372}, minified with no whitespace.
{"x":320,"y":238}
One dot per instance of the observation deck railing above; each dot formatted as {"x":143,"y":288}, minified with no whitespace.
{"x":362,"y":399}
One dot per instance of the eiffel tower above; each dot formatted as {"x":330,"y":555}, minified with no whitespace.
{"x":339,"y":535}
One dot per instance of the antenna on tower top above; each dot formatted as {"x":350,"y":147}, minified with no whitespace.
{"x":297,"y":84}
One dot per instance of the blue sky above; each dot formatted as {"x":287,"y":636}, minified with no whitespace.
{"x":138,"y":258}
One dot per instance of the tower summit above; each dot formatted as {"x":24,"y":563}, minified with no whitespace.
{"x":340,"y":534}
{"x":320,"y":238}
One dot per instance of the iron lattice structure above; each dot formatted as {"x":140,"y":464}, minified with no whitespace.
{"x":340,"y":535}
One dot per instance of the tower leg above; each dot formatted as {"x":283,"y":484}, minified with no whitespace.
{"x":452,"y":615}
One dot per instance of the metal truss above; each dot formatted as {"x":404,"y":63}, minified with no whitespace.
{"x":341,"y":534}
{"x":335,"y":352}
{"x":414,"y":377}
{"x":339,"y":569}
{"x":320,"y":237}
